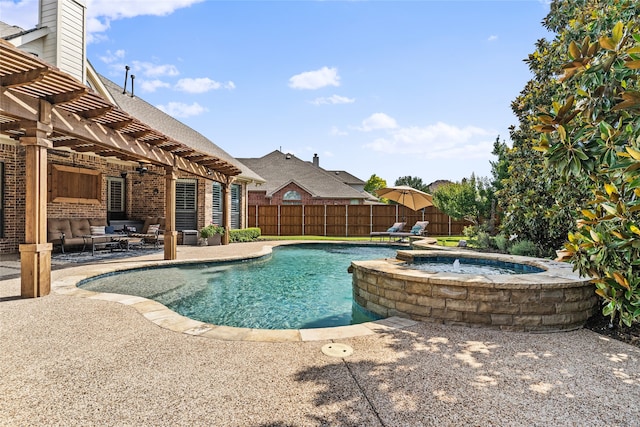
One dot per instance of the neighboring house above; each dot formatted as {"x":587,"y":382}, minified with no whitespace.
{"x":73,"y":145}
{"x":292,"y":181}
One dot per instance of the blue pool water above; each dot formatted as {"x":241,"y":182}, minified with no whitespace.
{"x":297,"y":287}
{"x":470,"y":266}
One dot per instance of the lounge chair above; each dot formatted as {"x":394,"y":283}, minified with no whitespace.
{"x":397,"y":227}
{"x":152,"y":231}
{"x":419,"y":229}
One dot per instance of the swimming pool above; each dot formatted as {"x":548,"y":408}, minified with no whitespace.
{"x":297,"y":287}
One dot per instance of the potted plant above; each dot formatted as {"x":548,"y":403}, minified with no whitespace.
{"x":212,"y":234}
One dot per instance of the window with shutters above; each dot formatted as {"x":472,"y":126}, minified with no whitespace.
{"x":236,"y":205}
{"x":115,"y":198}
{"x":186,"y":204}
{"x":217,"y":217}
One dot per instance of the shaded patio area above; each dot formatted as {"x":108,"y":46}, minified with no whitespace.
{"x":70,"y":361}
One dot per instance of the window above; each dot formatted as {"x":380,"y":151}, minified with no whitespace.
{"x":186,"y":204}
{"x":292,"y":197}
{"x":236,"y":205}
{"x":217,"y":204}
{"x":115,"y":198}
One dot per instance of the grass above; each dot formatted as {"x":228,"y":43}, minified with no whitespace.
{"x":449,"y":240}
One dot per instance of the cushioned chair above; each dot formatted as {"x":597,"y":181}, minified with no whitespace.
{"x":419,"y":229}
{"x":395,"y":228}
{"x":152,"y":231}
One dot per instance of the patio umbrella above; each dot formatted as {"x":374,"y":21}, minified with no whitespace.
{"x":406,"y":196}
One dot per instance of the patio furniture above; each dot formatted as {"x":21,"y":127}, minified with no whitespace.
{"x":69,"y":232}
{"x":101,"y":241}
{"x":419,"y":229}
{"x":397,"y":227}
{"x":152,"y":231}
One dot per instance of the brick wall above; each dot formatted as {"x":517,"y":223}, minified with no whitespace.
{"x":259,"y":197}
{"x":12,"y":155}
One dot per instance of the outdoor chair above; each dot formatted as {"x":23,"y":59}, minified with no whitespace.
{"x":395,"y":228}
{"x":419,"y":229}
{"x":152,"y":231}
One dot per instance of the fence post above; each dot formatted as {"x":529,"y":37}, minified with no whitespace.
{"x":325,"y":220}
{"x":303,"y":207}
{"x":278,"y":220}
{"x":449,"y":226}
{"x":257,"y":216}
{"x":346,"y":220}
{"x":370,"y":219}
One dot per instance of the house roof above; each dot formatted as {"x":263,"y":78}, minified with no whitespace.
{"x":280,"y":169}
{"x":347,"y":178}
{"x":173,"y":128}
{"x":28,"y":79}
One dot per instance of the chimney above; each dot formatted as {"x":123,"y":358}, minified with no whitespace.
{"x":316,"y":161}
{"x":65,"y":45}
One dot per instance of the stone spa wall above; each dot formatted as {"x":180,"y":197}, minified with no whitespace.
{"x":553,"y":300}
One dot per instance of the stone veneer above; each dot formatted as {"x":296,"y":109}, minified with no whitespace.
{"x":553,"y":300}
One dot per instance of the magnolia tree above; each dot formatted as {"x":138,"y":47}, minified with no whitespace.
{"x":590,"y":132}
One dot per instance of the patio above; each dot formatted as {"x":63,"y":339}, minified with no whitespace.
{"x":71,"y":361}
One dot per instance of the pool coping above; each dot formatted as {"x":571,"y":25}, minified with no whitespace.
{"x":168,"y":319}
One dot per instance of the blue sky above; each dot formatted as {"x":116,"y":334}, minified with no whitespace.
{"x":391,"y":88}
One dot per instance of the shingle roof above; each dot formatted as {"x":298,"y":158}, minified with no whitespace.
{"x":173,"y":128}
{"x":347,"y":178}
{"x":279,"y":169}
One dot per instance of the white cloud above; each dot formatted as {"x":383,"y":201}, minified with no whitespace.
{"x":178,"y":109}
{"x":100,"y":13}
{"x":378,"y":121}
{"x":201,"y":85}
{"x":315,"y":79}
{"x":492,"y":38}
{"x":154,"y":70}
{"x":111,"y":57}
{"x":153,"y":85}
{"x":439,"y":141}
{"x":337,"y":132}
{"x":334,"y":99}
{"x":23,"y":13}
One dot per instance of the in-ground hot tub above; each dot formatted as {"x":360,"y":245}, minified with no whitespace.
{"x":549,"y":298}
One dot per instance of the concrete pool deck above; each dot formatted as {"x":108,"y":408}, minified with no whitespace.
{"x":89,"y":361}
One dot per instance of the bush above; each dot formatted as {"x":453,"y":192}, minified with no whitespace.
{"x":244,"y":235}
{"x":525,"y":248}
{"x":477,"y":236}
{"x":211,"y":230}
{"x":501,"y":243}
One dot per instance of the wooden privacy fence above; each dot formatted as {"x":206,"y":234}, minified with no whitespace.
{"x":346,"y":220}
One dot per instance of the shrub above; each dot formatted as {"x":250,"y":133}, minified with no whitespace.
{"x":211,"y":230}
{"x":244,"y":235}
{"x":477,"y":236}
{"x":501,"y":243}
{"x":524,"y":247}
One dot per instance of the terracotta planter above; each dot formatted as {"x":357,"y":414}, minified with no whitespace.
{"x":214,"y":240}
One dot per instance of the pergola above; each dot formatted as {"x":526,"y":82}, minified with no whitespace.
{"x":44,"y":108}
